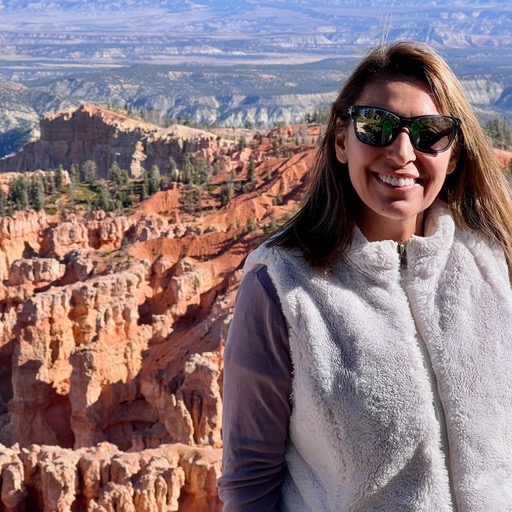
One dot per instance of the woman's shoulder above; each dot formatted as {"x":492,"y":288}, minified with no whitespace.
{"x":273,"y":257}
{"x":474,"y":244}
{"x":486,"y":253}
{"x":257,"y":279}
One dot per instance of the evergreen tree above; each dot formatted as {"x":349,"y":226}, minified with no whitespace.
{"x":172,"y":171}
{"x":3,"y":202}
{"x":74,"y":174}
{"x":118,"y":176}
{"x":127,"y":199}
{"x":36,"y":193}
{"x":225,"y":195}
{"x":49,"y":183}
{"x":143,"y":189}
{"x":153,"y":180}
{"x":153,"y":116}
{"x":165,"y":182}
{"x":251,"y":225}
{"x":318,"y":116}
{"x":251,"y":177}
{"x":18,"y":193}
{"x":242,"y":143}
{"x":89,"y":171}
{"x":203,"y":171}
{"x":218,"y":167}
{"x":272,"y":225}
{"x":103,"y":199}
{"x":499,"y":132}
{"x":59,"y":179}
{"x":191,"y":198}
{"x":188,"y":171}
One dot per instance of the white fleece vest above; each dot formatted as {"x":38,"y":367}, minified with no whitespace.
{"x":364,"y":434}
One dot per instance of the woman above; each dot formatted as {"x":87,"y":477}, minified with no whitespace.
{"x":369,"y":361}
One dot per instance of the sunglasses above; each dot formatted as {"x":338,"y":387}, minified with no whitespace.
{"x":380,"y":127}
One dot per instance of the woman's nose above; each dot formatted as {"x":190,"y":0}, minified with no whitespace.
{"x":401,"y":149}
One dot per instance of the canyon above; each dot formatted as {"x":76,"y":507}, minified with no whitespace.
{"x":112,"y":326}
{"x":93,"y":133}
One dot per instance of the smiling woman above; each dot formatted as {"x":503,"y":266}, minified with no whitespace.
{"x":368,"y":365}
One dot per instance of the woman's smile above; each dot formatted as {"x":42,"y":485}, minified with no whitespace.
{"x":397,"y":181}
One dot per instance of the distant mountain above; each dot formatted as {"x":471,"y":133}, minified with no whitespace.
{"x":347,"y":21}
{"x":231,"y":62}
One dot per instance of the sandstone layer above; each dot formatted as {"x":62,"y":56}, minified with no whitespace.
{"x":94,"y":133}
{"x":104,"y":479}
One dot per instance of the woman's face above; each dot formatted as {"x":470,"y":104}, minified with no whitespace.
{"x":394,"y":211}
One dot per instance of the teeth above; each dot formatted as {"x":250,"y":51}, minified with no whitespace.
{"x":397,"y":182}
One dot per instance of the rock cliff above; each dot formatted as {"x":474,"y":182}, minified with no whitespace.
{"x":103,"y":478}
{"x":98,"y":134}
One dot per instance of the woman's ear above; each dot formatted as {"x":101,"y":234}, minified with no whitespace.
{"x":454,"y":158}
{"x":340,"y":142}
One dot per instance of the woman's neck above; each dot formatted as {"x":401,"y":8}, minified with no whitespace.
{"x":397,"y":230}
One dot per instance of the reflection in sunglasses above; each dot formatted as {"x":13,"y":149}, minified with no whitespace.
{"x":380,"y":127}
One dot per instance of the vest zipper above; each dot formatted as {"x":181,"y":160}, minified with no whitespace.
{"x":402,"y":254}
{"x":427,"y":361}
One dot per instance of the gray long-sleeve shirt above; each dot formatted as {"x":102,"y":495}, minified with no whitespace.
{"x":257,"y":389}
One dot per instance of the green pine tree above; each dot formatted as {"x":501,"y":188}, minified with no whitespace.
{"x":74,"y":174}
{"x":90,"y":171}
{"x":118,"y":176}
{"x":153,"y":180}
{"x":18,"y":193}
{"x":49,"y":183}
{"x":59,"y":179}
{"x":103,"y":200}
{"x":36,"y":193}
{"x":251,"y":174}
{"x":3,"y":202}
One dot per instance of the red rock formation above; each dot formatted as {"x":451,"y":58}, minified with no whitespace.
{"x":54,"y":479}
{"x":20,"y":235}
{"x":111,"y":337}
{"x":94,"y":133}
{"x":6,"y":177}
{"x":103,"y":359}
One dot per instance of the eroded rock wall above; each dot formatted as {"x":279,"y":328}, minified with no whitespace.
{"x":105,"y":479}
{"x":100,"y":135}
{"x":111,"y":341}
{"x":123,"y":350}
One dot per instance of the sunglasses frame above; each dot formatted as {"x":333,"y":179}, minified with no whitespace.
{"x":404,"y":122}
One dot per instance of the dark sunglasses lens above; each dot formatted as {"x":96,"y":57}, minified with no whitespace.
{"x":375,"y":127}
{"x":433,"y":133}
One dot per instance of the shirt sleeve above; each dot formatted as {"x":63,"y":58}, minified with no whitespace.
{"x":256,"y":396}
